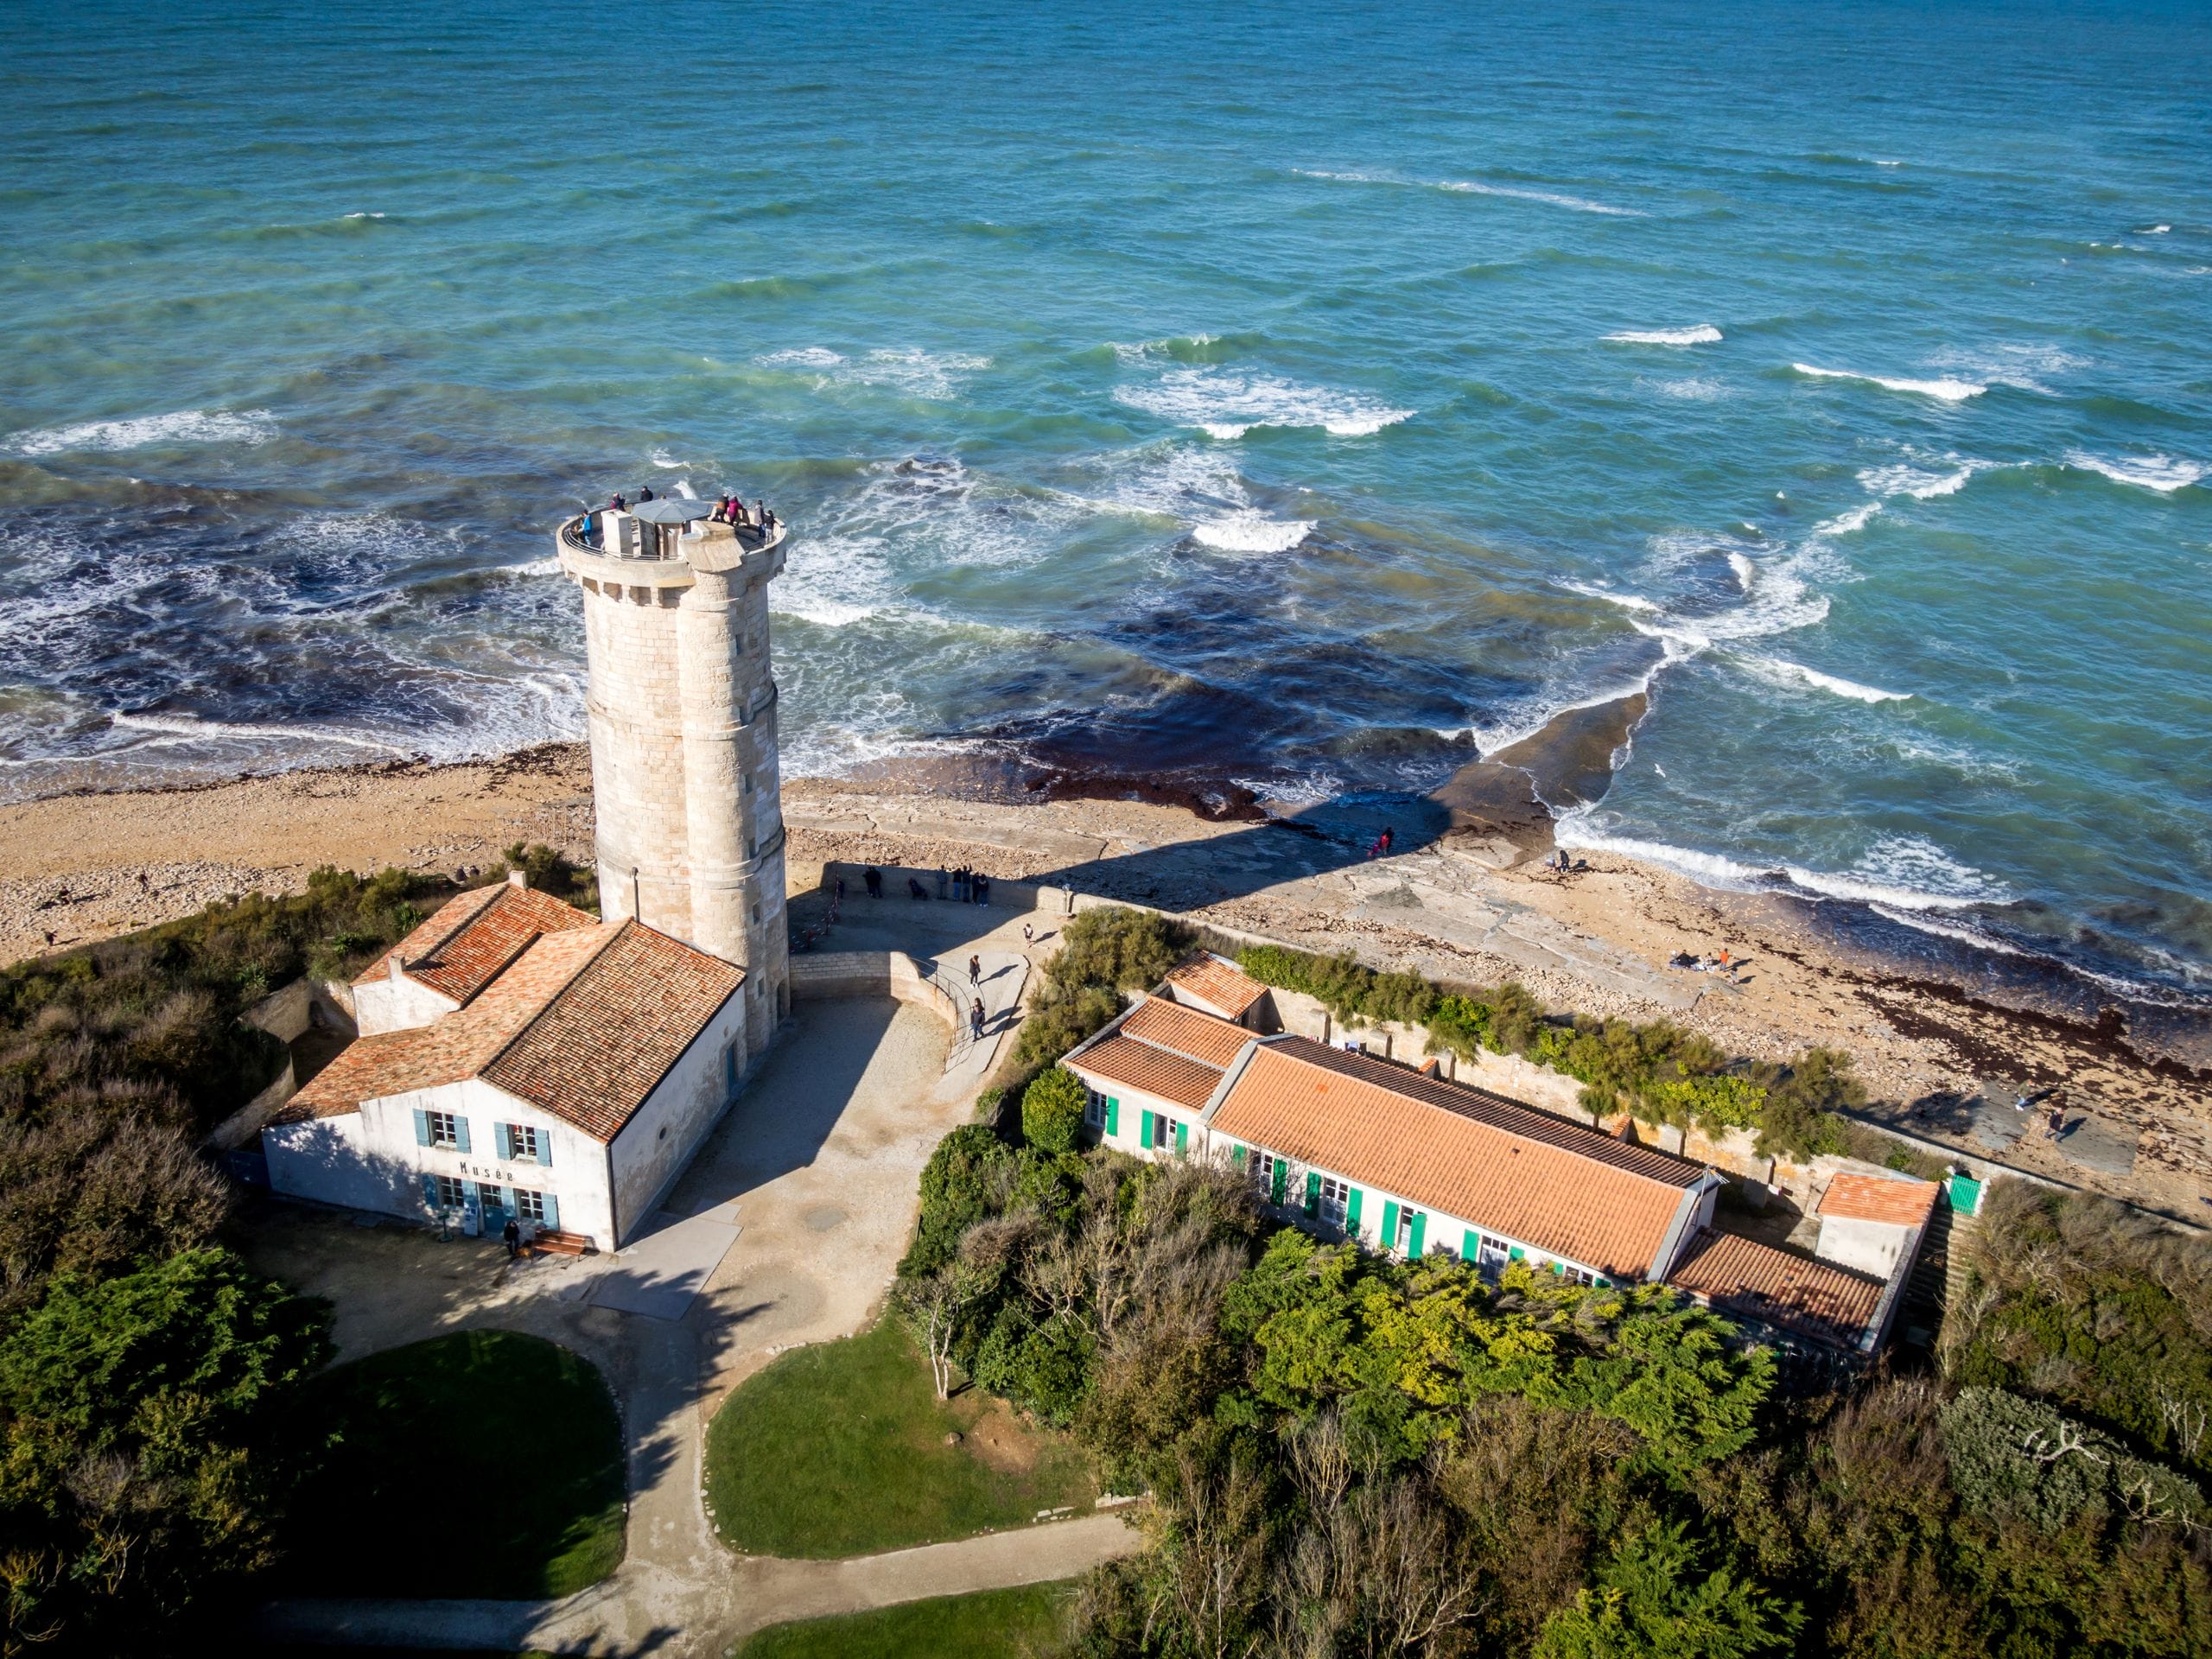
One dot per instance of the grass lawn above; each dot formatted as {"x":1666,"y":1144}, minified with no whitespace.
{"x":994,"y":1624}
{"x":838,"y":1449}
{"x":481,"y":1463}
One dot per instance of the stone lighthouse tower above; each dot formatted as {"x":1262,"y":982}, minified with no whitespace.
{"x":682,"y":708}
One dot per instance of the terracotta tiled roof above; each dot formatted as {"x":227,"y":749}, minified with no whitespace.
{"x":1219,"y":981}
{"x":1903,"y":1202}
{"x":612,"y":1032}
{"x":463,"y":946}
{"x":1568,"y":1190}
{"x":1155,"y":1071}
{"x":1200,"y":1036}
{"x":584,"y":1024}
{"x":1796,"y":1293}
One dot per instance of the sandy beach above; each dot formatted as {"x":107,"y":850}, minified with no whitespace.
{"x":1461,"y":896}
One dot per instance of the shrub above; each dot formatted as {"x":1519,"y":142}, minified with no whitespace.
{"x":1656,"y":1598}
{"x":1051,"y":1111}
{"x":1104,"y":952}
{"x":2021,"y":1457}
{"x":956,"y":1193}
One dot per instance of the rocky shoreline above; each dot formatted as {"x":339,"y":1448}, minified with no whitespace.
{"x":1459,"y":897}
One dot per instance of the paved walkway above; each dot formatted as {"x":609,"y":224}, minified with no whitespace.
{"x":820,"y":1157}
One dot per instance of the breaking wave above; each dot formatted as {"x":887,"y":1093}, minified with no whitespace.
{"x":1704,"y":335}
{"x":1947,"y":390}
{"x":2159,"y":473}
{"x":1226,"y":406}
{"x":251,"y":426}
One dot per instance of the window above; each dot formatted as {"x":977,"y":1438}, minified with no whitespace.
{"x":1491,"y":1260}
{"x":445,"y":1130}
{"x":1412,"y":1226}
{"x":529,"y":1206}
{"x":1163,"y":1130}
{"x":1334,"y":1193}
{"x":1264,"y":1168}
{"x":1579,"y":1275}
{"x":1094,"y":1108}
{"x":523,"y":1138}
{"x":451,"y":1194}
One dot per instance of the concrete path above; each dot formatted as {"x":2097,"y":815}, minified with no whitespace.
{"x":759,"y":1592}
{"x":658,"y":1273}
{"x":998,"y":983}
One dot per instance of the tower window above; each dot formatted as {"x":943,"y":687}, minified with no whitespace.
{"x":756,"y":912}
{"x":748,"y":783}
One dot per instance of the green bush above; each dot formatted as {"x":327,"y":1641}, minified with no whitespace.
{"x":1656,"y":1598}
{"x":1102,"y":953}
{"x":2022,"y":1457}
{"x":1051,"y":1111}
{"x":153,"y":1428}
{"x":958,"y":1187}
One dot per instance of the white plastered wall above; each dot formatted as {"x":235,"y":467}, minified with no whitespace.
{"x":389,"y":1003}
{"x":661,"y":1136}
{"x":1870,"y":1246}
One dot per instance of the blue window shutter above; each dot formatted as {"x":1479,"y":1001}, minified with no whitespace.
{"x":461,"y":1132}
{"x":1471,"y":1248}
{"x":1421,"y":1227}
{"x":1182,"y":1137}
{"x":430,"y":1188}
{"x":422,"y":1130}
{"x":1351,"y":1211}
{"x":1113,"y":1117}
{"x":472,"y":1193}
{"x":1145,"y":1140}
{"x":1313,"y":1193}
{"x":503,"y":1137}
{"x":544,"y":1145}
{"x":552,"y":1212}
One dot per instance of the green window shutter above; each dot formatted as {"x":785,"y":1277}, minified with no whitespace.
{"x":1182,"y":1137}
{"x":1312,"y":1193}
{"x":461,"y":1132}
{"x":422,"y":1136}
{"x":1389,"y":1223}
{"x":1420,"y":1228}
{"x":1236,"y":1157}
{"x":1471,"y":1248}
{"x":1282,"y":1181}
{"x":544,"y":1145}
{"x":1113,"y":1117}
{"x":552,"y":1213}
{"x":1604,"y":1283}
{"x":430,"y":1188}
{"x":1144,"y":1138}
{"x":1516,"y":1254}
{"x":1352,"y":1211}
{"x":503,"y":1137}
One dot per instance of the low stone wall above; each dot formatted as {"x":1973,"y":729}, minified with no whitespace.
{"x":1018,"y":897}
{"x":286,"y":1011}
{"x":818,"y":975}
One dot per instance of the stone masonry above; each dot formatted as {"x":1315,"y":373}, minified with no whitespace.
{"x":685,"y":780}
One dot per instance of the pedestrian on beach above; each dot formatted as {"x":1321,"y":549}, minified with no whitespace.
{"x":2055,"y":1124}
{"x":142,"y":881}
{"x":974,"y":971}
{"x":1028,"y":934}
{"x":513,"y":1234}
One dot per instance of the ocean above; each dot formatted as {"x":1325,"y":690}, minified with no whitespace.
{"x":1307,"y":398}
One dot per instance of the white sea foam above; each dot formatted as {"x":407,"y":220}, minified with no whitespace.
{"x":2160,"y":473}
{"x":1693,"y":389}
{"x":1919,"y":482}
{"x":1847,"y":524}
{"x":1473,"y":188}
{"x":169,"y":729}
{"x":1965,"y":935}
{"x":1226,"y":406}
{"x":1746,"y":572}
{"x":934,"y":376}
{"x":1777,"y":669}
{"x":2155,"y":230}
{"x":1552,"y":198}
{"x":365,"y":215}
{"x":1901,"y":873}
{"x":1626,"y":601}
{"x":1777,"y":599}
{"x":1948,"y":390}
{"x":1145,"y":350}
{"x":1703,"y":334}
{"x":2026,"y":364}
{"x":249,"y":426}
{"x":1252,"y":532}
{"x":665,"y":462}
{"x":547,"y":566}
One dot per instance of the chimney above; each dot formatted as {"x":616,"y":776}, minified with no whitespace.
{"x":391,"y":964}
{"x":1429,"y":1068}
{"x":516,"y":879}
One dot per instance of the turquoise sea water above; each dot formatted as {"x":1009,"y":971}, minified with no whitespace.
{"x":1308,"y":397}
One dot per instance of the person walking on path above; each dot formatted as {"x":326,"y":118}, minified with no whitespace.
{"x":975,"y":1019}
{"x":513,"y":1234}
{"x":976,"y":970}
{"x":872,"y":880}
{"x":983,"y":891}
{"x":1028,"y":934}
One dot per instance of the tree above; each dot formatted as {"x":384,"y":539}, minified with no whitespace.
{"x":957,"y":1185}
{"x":148,"y":1451}
{"x":1051,"y":1111}
{"x":1653,"y":1601}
